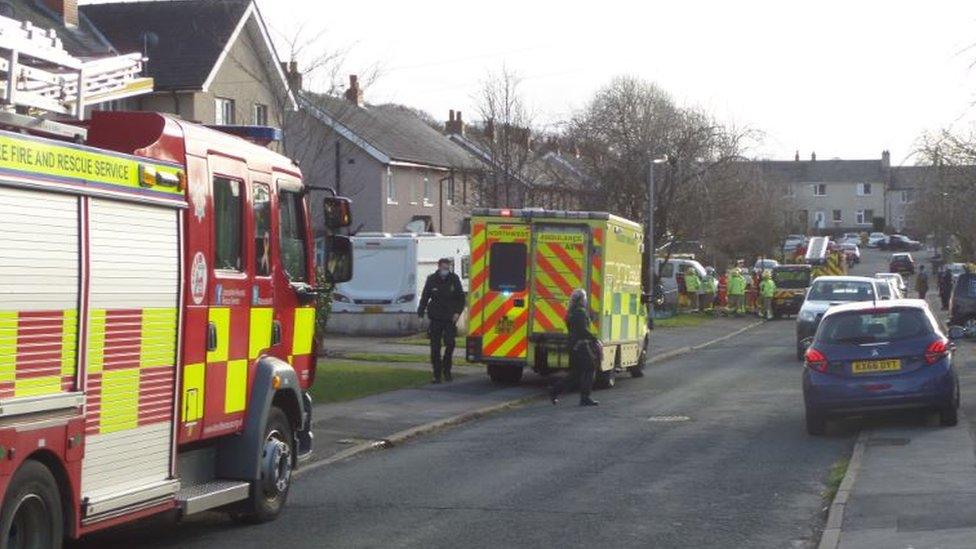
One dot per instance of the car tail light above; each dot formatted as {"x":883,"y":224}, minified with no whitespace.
{"x":815,"y":360}
{"x":936,"y":351}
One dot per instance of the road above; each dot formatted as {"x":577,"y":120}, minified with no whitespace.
{"x":707,"y":450}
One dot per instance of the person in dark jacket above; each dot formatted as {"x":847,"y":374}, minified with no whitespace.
{"x":945,"y":287}
{"x":922,"y":282}
{"x":443,"y":302}
{"x":581,"y":360}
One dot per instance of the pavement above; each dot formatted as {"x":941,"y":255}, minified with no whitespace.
{"x":345,"y":429}
{"x":912,"y":483}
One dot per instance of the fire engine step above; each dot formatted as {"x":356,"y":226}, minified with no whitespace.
{"x":208,"y":495}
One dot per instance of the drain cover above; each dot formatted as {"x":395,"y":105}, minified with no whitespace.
{"x":668,"y":419}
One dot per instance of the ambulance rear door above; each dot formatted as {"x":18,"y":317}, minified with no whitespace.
{"x":499,"y":289}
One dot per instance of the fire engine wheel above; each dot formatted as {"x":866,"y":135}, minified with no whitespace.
{"x":268,"y":494}
{"x":31,"y":517}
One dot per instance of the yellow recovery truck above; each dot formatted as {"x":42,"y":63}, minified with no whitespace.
{"x":524,"y":265}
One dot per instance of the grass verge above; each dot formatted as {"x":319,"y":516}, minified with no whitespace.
{"x":340,"y":380}
{"x":685,"y":320}
{"x":834,"y":478}
{"x":421,"y":339}
{"x":396,"y":357}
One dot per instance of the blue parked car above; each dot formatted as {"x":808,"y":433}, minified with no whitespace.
{"x":871,"y":356}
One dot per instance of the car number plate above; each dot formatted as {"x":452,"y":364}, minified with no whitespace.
{"x":374,"y":309}
{"x":870,"y":366}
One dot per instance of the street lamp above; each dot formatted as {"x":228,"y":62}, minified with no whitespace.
{"x":649,"y":239}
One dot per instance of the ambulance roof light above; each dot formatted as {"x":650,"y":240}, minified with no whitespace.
{"x":505,"y":213}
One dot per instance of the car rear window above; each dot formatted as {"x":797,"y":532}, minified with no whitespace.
{"x":874,"y":326}
{"x":884,"y":290}
{"x":841,"y":290}
{"x":791,"y":279}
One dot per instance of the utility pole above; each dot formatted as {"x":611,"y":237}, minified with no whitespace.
{"x":649,"y":239}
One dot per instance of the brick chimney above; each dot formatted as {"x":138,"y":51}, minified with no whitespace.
{"x":885,"y":159}
{"x":813,"y":156}
{"x":797,"y":157}
{"x":292,"y":75}
{"x":65,"y":10}
{"x":455,"y":125}
{"x":354,"y":94}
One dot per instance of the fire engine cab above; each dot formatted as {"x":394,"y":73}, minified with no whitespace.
{"x":157,"y":308}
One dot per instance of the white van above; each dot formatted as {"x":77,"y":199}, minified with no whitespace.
{"x":383,"y":296}
{"x":668,"y":277}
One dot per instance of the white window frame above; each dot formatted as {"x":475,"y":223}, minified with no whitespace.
{"x":391,"y":191}
{"x":789,"y":191}
{"x":817,"y":187}
{"x":837,"y":218}
{"x":820,"y":219}
{"x":861,"y":217}
{"x":864,"y":189}
{"x":428,"y":192}
{"x":904,"y":197}
{"x":260,"y":111}
{"x":220,"y":112}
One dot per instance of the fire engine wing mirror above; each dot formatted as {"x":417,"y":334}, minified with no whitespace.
{"x":338,"y":212}
{"x":338,"y":259}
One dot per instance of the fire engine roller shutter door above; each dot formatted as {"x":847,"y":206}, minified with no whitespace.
{"x":133,"y":300}
{"x":38,"y":292}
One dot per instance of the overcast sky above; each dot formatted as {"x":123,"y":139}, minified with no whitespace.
{"x":844,"y":78}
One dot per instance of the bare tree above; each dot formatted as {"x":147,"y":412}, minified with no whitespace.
{"x":631,"y":121}
{"x":506,"y":137}
{"x":946,"y":199}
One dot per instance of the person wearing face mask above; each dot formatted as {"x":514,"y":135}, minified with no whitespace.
{"x":443,"y":302}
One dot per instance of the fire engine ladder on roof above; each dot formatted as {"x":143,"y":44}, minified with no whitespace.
{"x":36,"y":72}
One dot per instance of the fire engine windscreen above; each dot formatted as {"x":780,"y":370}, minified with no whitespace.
{"x":506,"y":267}
{"x":791,"y":280}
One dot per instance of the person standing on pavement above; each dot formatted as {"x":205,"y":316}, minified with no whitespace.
{"x":945,"y":288}
{"x":443,"y":302}
{"x":692,"y":287}
{"x":709,"y":285}
{"x":922,"y":282}
{"x":767,"y":287}
{"x":582,"y":362}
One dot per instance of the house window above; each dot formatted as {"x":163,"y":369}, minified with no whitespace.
{"x":819,"y":220}
{"x":223,"y":111}
{"x":863,"y":189}
{"x":820,"y":189}
{"x":906,"y":197}
{"x":428,"y":192}
{"x":838,"y":216}
{"x":450,"y":190}
{"x":788,"y":191}
{"x":391,"y":195}
{"x":864,"y":217}
{"x":260,"y":114}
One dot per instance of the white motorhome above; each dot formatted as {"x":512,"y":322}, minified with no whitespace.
{"x":384,"y":293}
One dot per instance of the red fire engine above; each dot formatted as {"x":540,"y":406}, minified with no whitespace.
{"x":156,"y":310}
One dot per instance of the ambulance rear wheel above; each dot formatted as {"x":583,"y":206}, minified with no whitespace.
{"x":504,"y":374}
{"x":31,"y":516}
{"x":270,"y":491}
